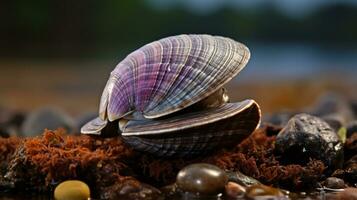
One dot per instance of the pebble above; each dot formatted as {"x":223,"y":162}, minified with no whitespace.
{"x":305,"y":137}
{"x":72,"y":190}
{"x":334,"y":183}
{"x":347,"y":194}
{"x":258,"y":191}
{"x":46,"y":118}
{"x":202,"y":178}
{"x":233,"y":190}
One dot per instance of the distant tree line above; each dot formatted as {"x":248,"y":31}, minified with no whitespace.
{"x":86,"y":28}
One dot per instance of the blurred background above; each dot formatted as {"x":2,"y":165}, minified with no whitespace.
{"x":60,"y":52}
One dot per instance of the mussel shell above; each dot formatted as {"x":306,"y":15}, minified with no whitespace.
{"x":195,"y":133}
{"x":170,"y":74}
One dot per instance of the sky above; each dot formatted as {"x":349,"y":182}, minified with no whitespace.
{"x":290,"y":7}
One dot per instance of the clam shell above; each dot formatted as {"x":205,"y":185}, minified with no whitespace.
{"x":170,"y":74}
{"x":195,"y":133}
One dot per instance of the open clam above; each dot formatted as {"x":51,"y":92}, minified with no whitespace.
{"x":168,"y":97}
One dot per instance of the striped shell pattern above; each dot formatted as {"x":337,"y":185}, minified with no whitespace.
{"x":164,"y":77}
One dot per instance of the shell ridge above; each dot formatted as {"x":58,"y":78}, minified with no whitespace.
{"x":171,"y":100}
{"x":173,"y":97}
{"x":147,"y":70}
{"x":210,"y":77}
{"x":182,"y":49}
{"x":216,"y":47}
{"x":236,"y":107}
{"x":163,"y":66}
{"x":117,"y":109}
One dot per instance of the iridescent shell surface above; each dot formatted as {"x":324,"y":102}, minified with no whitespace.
{"x":148,"y":91}
{"x":170,"y":74}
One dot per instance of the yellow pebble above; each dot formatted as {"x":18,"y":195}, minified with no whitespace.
{"x":72,"y":190}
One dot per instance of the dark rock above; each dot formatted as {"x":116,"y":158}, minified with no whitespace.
{"x":351,"y":128}
{"x":261,"y":191}
{"x":202,"y":178}
{"x":334,"y":183}
{"x":306,"y":137}
{"x":46,"y":118}
{"x":333,"y":104}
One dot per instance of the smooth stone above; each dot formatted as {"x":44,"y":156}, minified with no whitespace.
{"x":334,"y":183}
{"x":258,"y":191}
{"x":233,"y":190}
{"x":46,"y":118}
{"x":202,"y":178}
{"x":347,"y":194}
{"x":306,"y":137}
{"x":72,"y":190}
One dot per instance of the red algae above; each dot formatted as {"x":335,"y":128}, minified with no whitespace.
{"x":253,"y":157}
{"x":60,"y":156}
{"x":115,"y":170}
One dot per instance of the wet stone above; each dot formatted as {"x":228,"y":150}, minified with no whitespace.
{"x":347,"y":194}
{"x":202,"y":178}
{"x":264,"y":192}
{"x":46,"y":118}
{"x":306,"y":137}
{"x":72,"y":190}
{"x":334,"y":183}
{"x":233,"y":190}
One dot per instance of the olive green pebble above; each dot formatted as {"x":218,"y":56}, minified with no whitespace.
{"x":72,"y":190}
{"x":202,"y":178}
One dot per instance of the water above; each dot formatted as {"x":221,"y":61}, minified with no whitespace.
{"x":293,"y":60}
